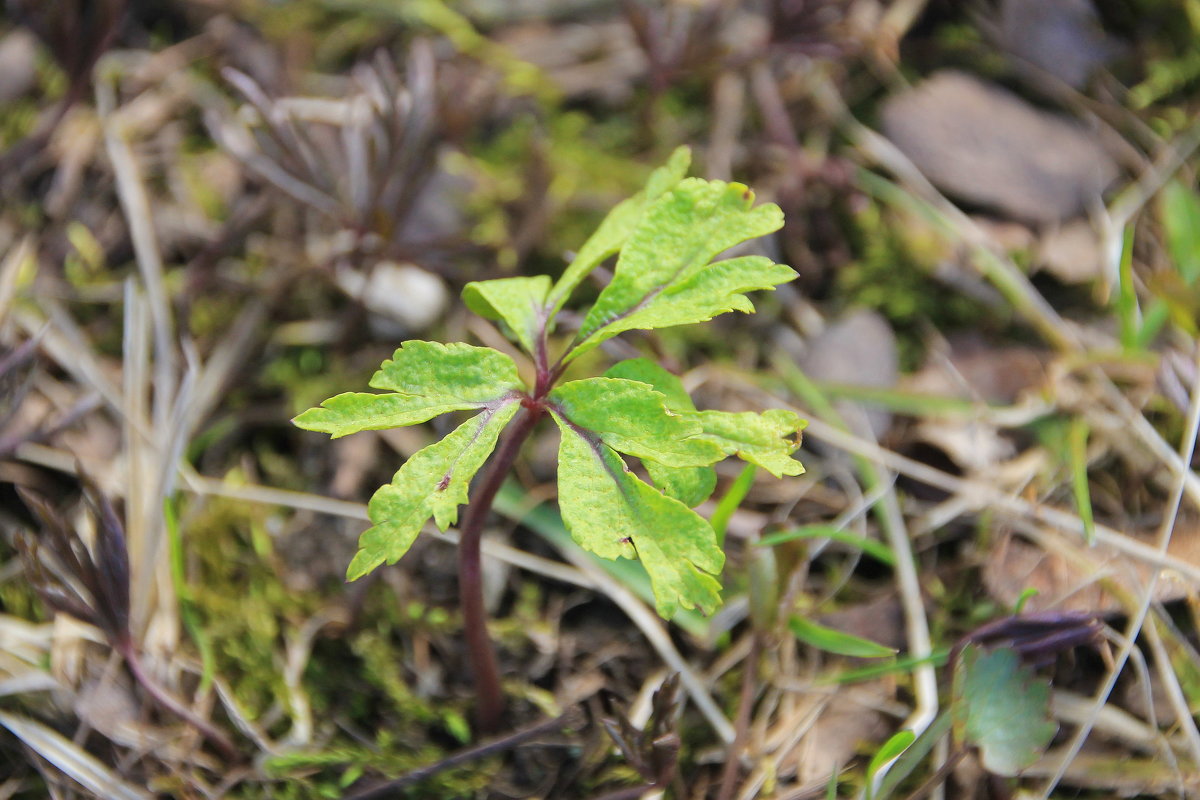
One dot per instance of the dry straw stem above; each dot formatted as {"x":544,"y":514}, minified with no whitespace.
{"x":71,"y":759}
{"x":1137,"y":620}
{"x":979,"y":495}
{"x":149,"y":460}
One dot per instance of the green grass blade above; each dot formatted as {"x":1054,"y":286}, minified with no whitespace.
{"x":1126,"y":300}
{"x":731,"y":501}
{"x":1077,"y":436}
{"x":183,"y":593}
{"x":836,"y":642}
{"x":876,"y":550}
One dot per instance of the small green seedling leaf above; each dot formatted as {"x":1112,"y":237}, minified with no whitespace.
{"x":836,"y":642}
{"x":667,"y":237}
{"x":664,"y":276}
{"x":1002,"y":708}
{"x":520,"y":303}
{"x":689,"y":485}
{"x":617,"y":226}
{"x":432,"y":483}
{"x":1077,"y":436}
{"x":427,"y":379}
{"x":614,"y":514}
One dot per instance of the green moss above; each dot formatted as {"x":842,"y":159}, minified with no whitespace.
{"x":892,"y":274}
{"x":586,"y":171}
{"x":243,"y":606}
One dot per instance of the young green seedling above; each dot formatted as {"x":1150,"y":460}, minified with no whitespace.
{"x":667,"y":237}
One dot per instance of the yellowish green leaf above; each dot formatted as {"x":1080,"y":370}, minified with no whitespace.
{"x":612,"y":513}
{"x":432,"y":483}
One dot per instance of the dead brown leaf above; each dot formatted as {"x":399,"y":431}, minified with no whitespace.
{"x":974,"y":369}
{"x":847,"y":725}
{"x":1082,"y":578}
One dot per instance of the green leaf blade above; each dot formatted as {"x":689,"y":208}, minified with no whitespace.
{"x":459,"y":371}
{"x":890,"y":750}
{"x":520,"y":303}
{"x":835,"y":641}
{"x":432,"y":483}
{"x":617,"y":227}
{"x":1002,"y":708}
{"x":351,"y":412}
{"x":718,"y":290}
{"x":426,"y":379}
{"x":766,"y":440}
{"x":664,"y":276}
{"x":1180,"y":212}
{"x":689,"y":485}
{"x":643,"y":370}
{"x":612,"y":513}
{"x":632,"y":418}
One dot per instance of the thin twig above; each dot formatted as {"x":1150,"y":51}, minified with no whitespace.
{"x":984,"y":495}
{"x":168,"y":701}
{"x":742,"y":724}
{"x":569,"y":719}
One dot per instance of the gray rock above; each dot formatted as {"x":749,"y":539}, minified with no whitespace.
{"x":987,"y":146}
{"x":1061,"y":37}
{"x":858,"y":350}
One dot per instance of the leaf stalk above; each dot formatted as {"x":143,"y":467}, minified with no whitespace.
{"x":482,"y":654}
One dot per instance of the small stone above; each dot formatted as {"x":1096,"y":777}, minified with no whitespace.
{"x":1061,"y":37}
{"x":857,"y":350}
{"x":1072,"y":252}
{"x":985,"y":145}
{"x":401,"y":293}
{"x":18,"y":64}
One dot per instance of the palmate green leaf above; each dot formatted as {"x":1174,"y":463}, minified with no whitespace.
{"x":617,"y":227}
{"x":520,"y":303}
{"x":689,"y":485}
{"x":428,"y":379}
{"x":631,"y":417}
{"x":664,"y":276}
{"x":612,"y":513}
{"x":1002,"y":708}
{"x":432,"y":483}
{"x":767,"y":439}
